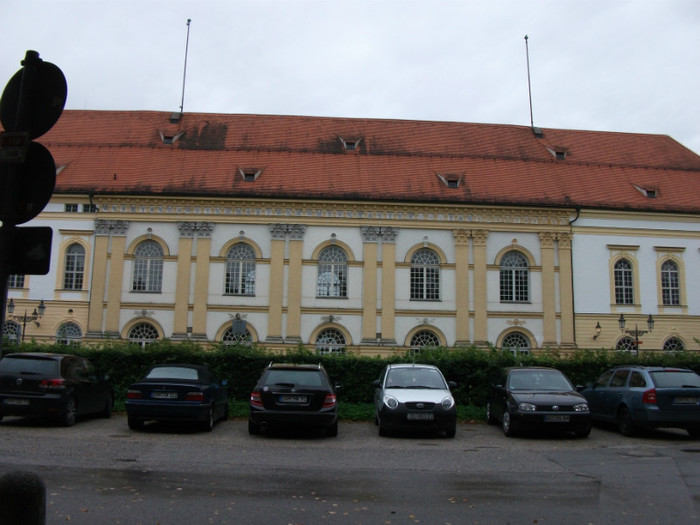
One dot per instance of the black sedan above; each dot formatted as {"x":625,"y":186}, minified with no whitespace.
{"x":645,"y":397}
{"x":175,"y":392}
{"x":58,"y":386}
{"x":538,"y":398}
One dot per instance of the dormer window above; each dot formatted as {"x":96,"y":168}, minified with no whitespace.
{"x":169,"y":138}
{"x":649,"y":193}
{"x":559,"y":152}
{"x":450,"y":180}
{"x":249,"y":174}
{"x":350,"y":144}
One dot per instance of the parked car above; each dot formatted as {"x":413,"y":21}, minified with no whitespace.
{"x":635,"y":397}
{"x":414,"y":397}
{"x":177,"y":392}
{"x":537,"y":398}
{"x":58,"y":386}
{"x":295,"y":395}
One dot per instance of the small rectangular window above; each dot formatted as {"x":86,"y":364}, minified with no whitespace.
{"x":89,"y":208}
{"x":71,"y":208}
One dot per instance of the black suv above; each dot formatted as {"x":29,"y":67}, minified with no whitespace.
{"x":294,"y":395}
{"x":52,"y":385}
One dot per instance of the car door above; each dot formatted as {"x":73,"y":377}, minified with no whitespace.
{"x":88,"y":387}
{"x":499,"y":397}
{"x":596,"y":393}
{"x":615,"y":392}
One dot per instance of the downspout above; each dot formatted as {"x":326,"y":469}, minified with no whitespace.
{"x":571,"y":254}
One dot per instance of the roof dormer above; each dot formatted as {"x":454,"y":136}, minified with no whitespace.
{"x":451,"y":180}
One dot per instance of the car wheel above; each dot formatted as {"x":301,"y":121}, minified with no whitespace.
{"x":489,"y":415}
{"x":508,"y":425}
{"x":625,"y":423}
{"x":68,"y":418}
{"x":383,"y":432}
{"x":332,"y":431}
{"x":135,"y":423}
{"x":253,"y":428}
{"x":208,"y":423}
{"x":583,"y":432}
{"x":451,"y":431}
{"x":107,"y":410}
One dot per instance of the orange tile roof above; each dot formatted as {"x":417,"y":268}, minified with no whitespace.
{"x":122,"y":152}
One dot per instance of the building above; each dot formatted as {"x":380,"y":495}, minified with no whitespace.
{"x":364,"y":235}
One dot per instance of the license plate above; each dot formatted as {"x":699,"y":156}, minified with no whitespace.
{"x":686,"y":400}
{"x":287,"y":398}
{"x":164,"y":395}
{"x":419,"y":416}
{"x":556,"y":419}
{"x":17,"y":402}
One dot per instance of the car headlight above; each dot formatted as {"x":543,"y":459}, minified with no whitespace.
{"x":581,"y":407}
{"x":448,"y":402}
{"x":527,"y":407}
{"x":391,"y":401}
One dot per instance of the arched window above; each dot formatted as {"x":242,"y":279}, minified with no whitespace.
{"x":143,"y":334}
{"x":12,"y":332}
{"x":240,"y":270}
{"x":330,"y":341}
{"x":75,"y":267}
{"x":673,"y":344}
{"x":148,"y":267}
{"x":670,"y":287}
{"x":517,"y":343}
{"x":424,"y":340}
{"x":237,"y":333}
{"x":515,"y":278}
{"x":69,"y":334}
{"x":626,"y":344}
{"x":624,"y":287}
{"x":332,"y":273}
{"x":425,"y":275}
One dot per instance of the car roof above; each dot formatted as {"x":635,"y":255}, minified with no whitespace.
{"x":180,"y":365}
{"x":533,"y":368}
{"x":41,"y":355}
{"x":294,"y":366}
{"x":655,"y":368}
{"x":411,"y":365}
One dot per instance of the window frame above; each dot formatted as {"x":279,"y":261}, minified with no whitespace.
{"x":149,"y":266}
{"x":238,"y":270}
{"x":425,"y":275}
{"x":335,"y":269}
{"x":514,"y":280}
{"x":74,"y":267}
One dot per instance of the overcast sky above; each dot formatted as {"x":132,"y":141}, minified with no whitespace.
{"x":608,"y":65}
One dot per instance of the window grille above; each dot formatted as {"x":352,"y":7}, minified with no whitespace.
{"x":148,"y":267}
{"x":673,"y":344}
{"x":332,"y":273}
{"x":330,"y":341}
{"x":12,"y":332}
{"x":670,"y":287}
{"x":75,"y":267}
{"x":69,"y":334}
{"x":425,"y":275}
{"x":15,"y":281}
{"x":624,"y":289}
{"x":143,"y":334}
{"x":626,"y":344}
{"x":516,"y":343}
{"x":240,"y":270}
{"x":424,"y":340}
{"x":515,"y":278}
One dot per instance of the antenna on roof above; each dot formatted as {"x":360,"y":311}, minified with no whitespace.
{"x":175,"y":117}
{"x":536,"y":131}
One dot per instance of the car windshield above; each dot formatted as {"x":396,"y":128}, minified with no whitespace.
{"x":173,"y":372}
{"x":294,"y":378}
{"x":675,"y":379}
{"x":543,"y":380}
{"x":414,"y":378}
{"x":29,"y":365}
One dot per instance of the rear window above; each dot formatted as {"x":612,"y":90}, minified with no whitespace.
{"x":675,"y":379}
{"x":294,"y":377}
{"x":29,"y":365}
{"x":173,"y":372}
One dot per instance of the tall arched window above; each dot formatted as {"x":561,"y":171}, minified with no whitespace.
{"x":332,"y":273}
{"x":517,"y":343}
{"x":75,"y":267}
{"x":424,"y":339}
{"x":624,"y":286}
{"x":69,"y":334}
{"x":148,"y":267}
{"x":425,"y":275}
{"x":514,"y":278}
{"x":240,"y":270}
{"x":330,"y":341}
{"x":143,"y":334}
{"x":670,"y":287}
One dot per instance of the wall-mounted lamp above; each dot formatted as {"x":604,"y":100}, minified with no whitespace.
{"x":597,"y":331}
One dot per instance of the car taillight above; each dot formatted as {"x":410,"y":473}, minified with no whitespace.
{"x":133,"y":394}
{"x":329,"y":401}
{"x":194,"y":396}
{"x":255,"y":399}
{"x":649,"y":396}
{"x":53,"y":384}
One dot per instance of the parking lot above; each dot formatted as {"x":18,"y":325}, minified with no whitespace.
{"x":99,"y":471}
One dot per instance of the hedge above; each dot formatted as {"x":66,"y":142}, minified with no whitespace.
{"x":474,"y":370}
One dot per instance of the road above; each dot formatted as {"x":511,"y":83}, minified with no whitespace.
{"x":99,"y":472}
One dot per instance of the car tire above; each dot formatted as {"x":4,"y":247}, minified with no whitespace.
{"x":332,"y":431}
{"x":68,"y":417}
{"x":583,"y":432}
{"x":451,"y":431}
{"x":508,"y":425}
{"x":253,"y":428}
{"x":135,"y":423}
{"x":383,"y":432}
{"x":489,"y":415}
{"x":208,"y":423}
{"x":625,"y":423}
